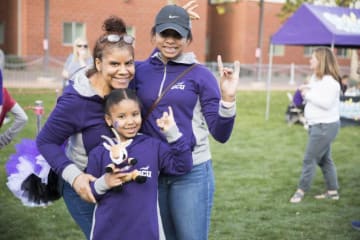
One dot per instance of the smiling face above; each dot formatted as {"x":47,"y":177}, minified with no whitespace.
{"x":125,"y":117}
{"x":170,"y":44}
{"x":116,"y":67}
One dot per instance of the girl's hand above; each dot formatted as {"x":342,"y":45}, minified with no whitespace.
{"x":166,"y":121}
{"x":229,"y":80}
{"x":114,"y":178}
{"x":189,"y":7}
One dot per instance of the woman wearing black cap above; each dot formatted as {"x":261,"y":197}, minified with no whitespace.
{"x":171,"y":77}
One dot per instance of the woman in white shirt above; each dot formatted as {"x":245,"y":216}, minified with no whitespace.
{"x":322,"y":101}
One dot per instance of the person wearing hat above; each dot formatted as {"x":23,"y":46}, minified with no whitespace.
{"x":173,"y":77}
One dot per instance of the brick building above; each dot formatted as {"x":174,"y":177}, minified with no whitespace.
{"x":23,"y":24}
{"x":239,"y":21}
{"x":230,"y":29}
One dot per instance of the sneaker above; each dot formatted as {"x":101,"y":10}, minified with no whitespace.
{"x":356,"y":225}
{"x":297,"y":197}
{"x":327,"y":195}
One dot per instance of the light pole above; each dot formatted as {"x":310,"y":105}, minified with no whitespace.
{"x":260,"y":37}
{"x":46,"y":35}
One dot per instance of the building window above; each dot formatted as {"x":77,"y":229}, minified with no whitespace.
{"x":130,"y":30}
{"x":340,"y":52}
{"x":73,"y":30}
{"x":343,"y":52}
{"x":308,"y":50}
{"x":2,"y":33}
{"x":279,"y":50}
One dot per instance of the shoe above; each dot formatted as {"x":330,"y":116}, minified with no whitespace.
{"x":327,"y":195}
{"x":297,"y":197}
{"x":356,"y":225}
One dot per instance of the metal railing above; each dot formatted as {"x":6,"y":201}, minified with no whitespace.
{"x":31,"y":73}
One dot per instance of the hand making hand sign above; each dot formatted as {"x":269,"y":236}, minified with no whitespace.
{"x":189,"y":7}
{"x":116,"y":148}
{"x":166,"y":121}
{"x":229,"y":80}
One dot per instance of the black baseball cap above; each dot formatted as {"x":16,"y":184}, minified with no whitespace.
{"x":175,"y":18}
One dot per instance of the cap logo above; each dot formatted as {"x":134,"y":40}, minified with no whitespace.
{"x":173,"y":16}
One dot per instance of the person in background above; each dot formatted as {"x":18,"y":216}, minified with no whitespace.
{"x":20,"y":118}
{"x":356,"y":225}
{"x":344,"y":83}
{"x":1,"y":91}
{"x":79,"y":60}
{"x":2,"y":60}
{"x":78,"y":118}
{"x":2,"y":66}
{"x":135,"y":205}
{"x":201,"y":109}
{"x":322,"y":103}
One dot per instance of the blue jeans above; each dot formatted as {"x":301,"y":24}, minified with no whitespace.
{"x":186,"y":202}
{"x":80,"y":210}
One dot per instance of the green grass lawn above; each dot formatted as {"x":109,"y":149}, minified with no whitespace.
{"x":256,"y":173}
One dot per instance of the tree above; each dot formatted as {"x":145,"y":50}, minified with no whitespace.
{"x":291,"y":6}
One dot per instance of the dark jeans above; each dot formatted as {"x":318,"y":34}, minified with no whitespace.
{"x":80,"y":210}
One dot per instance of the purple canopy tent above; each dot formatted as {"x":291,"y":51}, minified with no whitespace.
{"x":316,"y":25}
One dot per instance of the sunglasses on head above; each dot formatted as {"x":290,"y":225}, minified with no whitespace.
{"x":114,"y":38}
{"x":82,"y":45}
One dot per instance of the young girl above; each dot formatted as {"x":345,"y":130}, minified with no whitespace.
{"x":322,"y":101}
{"x":132,"y":212}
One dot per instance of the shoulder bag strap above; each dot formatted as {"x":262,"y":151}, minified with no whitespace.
{"x":167,"y":89}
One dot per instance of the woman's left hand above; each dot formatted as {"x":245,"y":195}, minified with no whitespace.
{"x":229,"y":80}
{"x":81,"y":185}
{"x":304,"y":88}
{"x":189,"y":7}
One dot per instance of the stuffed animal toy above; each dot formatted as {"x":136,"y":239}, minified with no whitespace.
{"x":120,"y":160}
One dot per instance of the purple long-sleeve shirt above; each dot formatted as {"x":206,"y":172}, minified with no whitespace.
{"x":195,"y":100}
{"x":78,"y":119}
{"x":132,"y":212}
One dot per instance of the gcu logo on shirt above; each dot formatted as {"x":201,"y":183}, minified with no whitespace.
{"x":180,"y":85}
{"x":144,"y":171}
